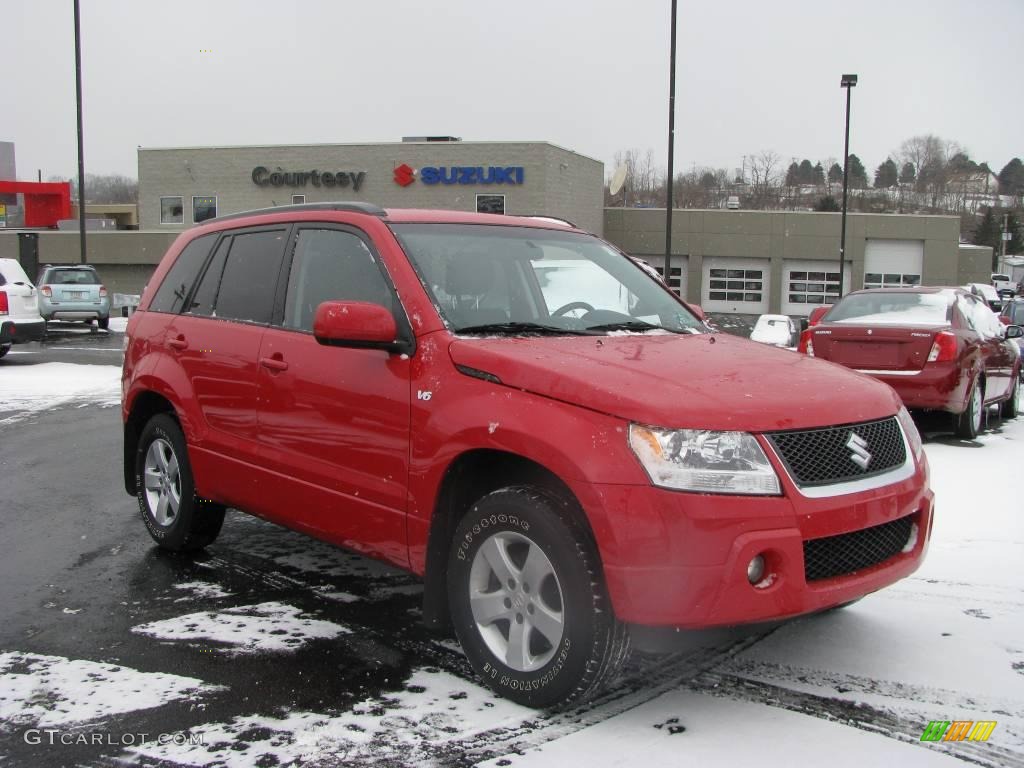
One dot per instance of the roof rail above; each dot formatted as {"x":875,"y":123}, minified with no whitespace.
{"x":351,"y":206}
{"x":546,"y":216}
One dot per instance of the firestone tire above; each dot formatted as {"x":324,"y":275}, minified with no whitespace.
{"x":175,"y":517}
{"x":1011,"y":407}
{"x":967,"y":425}
{"x":553,"y":642}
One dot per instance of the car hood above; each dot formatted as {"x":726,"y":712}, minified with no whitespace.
{"x":706,"y":381}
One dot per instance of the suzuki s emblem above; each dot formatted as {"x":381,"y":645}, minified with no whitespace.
{"x":404,"y":175}
{"x":859,"y":453}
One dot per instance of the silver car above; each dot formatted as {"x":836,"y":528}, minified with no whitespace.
{"x":73,"y":293}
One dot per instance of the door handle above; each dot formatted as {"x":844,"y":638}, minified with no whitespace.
{"x":178,"y":343}
{"x":275,"y":363}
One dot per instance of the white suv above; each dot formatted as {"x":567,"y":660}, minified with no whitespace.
{"x":20,"y":320}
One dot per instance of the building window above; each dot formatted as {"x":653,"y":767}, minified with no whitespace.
{"x":490,"y":204}
{"x":172,"y":210}
{"x":204,"y":208}
{"x":298,"y":199}
{"x":813,"y":287}
{"x":736,"y":285}
{"x":891,"y":280}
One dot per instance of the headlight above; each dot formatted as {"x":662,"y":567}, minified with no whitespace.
{"x":704,"y":461}
{"x":910,"y":430}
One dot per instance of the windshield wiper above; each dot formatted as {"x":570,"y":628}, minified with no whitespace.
{"x":518,"y":327}
{"x":629,"y":325}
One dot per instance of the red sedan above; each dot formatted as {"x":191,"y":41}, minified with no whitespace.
{"x":939,"y":348}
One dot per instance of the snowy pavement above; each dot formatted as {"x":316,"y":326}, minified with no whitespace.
{"x":273,"y":649}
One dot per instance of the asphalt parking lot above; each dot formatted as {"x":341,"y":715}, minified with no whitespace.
{"x":270,"y":648}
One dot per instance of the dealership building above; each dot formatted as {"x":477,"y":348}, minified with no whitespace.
{"x":734,"y":261}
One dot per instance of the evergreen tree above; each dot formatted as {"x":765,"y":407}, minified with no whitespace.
{"x":835,"y":174}
{"x":827,"y":203}
{"x":858,"y":175}
{"x":961,"y":163}
{"x":806,"y":174}
{"x":1011,"y":178}
{"x":907,"y":174}
{"x":818,"y":177}
{"x":1016,"y":245}
{"x":886,"y":175}
{"x":793,"y":175}
{"x":987,"y":230}
{"x":708,"y":180}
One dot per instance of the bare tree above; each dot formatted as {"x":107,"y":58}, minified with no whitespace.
{"x":104,"y":188}
{"x":765,"y":179}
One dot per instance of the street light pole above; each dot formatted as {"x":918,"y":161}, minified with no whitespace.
{"x":848,"y":82}
{"x":671,"y":148}
{"x":81,"y":156}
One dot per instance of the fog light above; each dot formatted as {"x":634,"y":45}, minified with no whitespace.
{"x":755,"y":569}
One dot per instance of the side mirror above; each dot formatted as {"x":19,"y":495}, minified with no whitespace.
{"x":1014,"y":332}
{"x":355,"y":324}
{"x":697,"y":310}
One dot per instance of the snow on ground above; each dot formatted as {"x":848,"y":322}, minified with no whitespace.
{"x":45,"y":691}
{"x":30,"y":388}
{"x":200,"y":590}
{"x":408,"y":728}
{"x":260,"y":628}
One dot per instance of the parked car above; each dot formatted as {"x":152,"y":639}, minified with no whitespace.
{"x":557,"y":459}
{"x":939,"y":348}
{"x":777,"y":330}
{"x":73,"y":293}
{"x":987,"y":294}
{"x":1004,"y":285}
{"x":19,"y":311}
{"x":1012,"y":312}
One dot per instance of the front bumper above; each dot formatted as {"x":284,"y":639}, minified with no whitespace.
{"x":680,"y":559}
{"x":21,"y":331}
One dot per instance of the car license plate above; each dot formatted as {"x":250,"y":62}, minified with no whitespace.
{"x":76,"y":294}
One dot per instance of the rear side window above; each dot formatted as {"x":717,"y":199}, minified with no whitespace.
{"x":249,"y":281}
{"x":170,"y":296}
{"x":206,"y":294}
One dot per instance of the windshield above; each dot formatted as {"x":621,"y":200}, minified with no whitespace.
{"x":519,"y":280}
{"x":886,"y":308}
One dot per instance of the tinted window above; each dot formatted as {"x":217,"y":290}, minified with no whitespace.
{"x":179,"y":279}
{"x":330,"y":265}
{"x":206,"y":293}
{"x":72,"y":276}
{"x":249,"y":280}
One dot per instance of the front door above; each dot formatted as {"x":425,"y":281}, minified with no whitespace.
{"x":333,"y":421}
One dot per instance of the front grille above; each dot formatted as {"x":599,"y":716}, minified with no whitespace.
{"x":824,"y":456}
{"x":851,"y":552}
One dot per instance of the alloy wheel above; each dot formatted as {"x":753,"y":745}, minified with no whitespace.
{"x":162,"y":479}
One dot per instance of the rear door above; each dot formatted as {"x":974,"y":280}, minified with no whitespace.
{"x":215,"y":343}
{"x":334,"y":421}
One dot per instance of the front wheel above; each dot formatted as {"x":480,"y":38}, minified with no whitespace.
{"x":175,"y":517}
{"x":968,"y":424}
{"x":528,"y":603}
{"x":1011,"y":406}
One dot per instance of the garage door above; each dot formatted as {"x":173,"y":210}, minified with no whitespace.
{"x":893,"y":263}
{"x":807,"y":284}
{"x":677,"y":277}
{"x":735,"y":285}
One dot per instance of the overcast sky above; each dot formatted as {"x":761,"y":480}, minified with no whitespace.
{"x":591,"y":76}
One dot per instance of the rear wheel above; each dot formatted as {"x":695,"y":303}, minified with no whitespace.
{"x":103,"y":322}
{"x":528,"y":603}
{"x":1011,"y":406}
{"x":968,"y":424}
{"x":175,"y":517}
{"x":4,"y":349}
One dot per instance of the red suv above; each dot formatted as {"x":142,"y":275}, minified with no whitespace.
{"x":517,"y":412}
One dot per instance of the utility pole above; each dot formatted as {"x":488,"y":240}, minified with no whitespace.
{"x":671,"y":148}
{"x":848,"y":82}
{"x":1005,"y":239}
{"x":81,"y":156}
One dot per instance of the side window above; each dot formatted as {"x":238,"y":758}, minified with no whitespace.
{"x":249,"y":280}
{"x":206,"y":294}
{"x":331,"y":265}
{"x":170,"y":296}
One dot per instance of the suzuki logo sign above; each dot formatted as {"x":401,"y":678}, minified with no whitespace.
{"x":404,"y":175}
{"x":479,"y":175}
{"x":859,"y":453}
